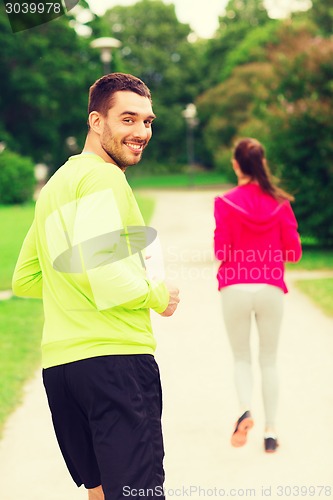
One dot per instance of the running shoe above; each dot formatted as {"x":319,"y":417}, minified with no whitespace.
{"x":243,"y":425}
{"x":271,"y":444}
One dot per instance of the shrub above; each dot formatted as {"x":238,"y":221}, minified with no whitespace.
{"x":17,"y":178}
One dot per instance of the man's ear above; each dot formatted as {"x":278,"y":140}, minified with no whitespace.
{"x":96,"y":122}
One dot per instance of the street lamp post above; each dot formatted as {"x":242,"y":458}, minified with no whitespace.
{"x":190,"y":115}
{"x":105,"y":45}
{"x":41,"y":174}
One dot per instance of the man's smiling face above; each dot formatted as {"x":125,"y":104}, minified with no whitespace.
{"x":127,"y":128}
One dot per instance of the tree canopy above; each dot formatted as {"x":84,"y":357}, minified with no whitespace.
{"x":45,"y":73}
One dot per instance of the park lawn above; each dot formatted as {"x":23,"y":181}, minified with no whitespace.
{"x":314,"y":259}
{"x":21,"y":329}
{"x":176,"y":181}
{"x":147,"y":206}
{"x":14,"y":223}
{"x":320,"y":291}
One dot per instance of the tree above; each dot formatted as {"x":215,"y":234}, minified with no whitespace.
{"x":300,"y":120}
{"x":225,"y":109}
{"x":322,"y":14}
{"x":252,"y":48}
{"x":250,"y":12}
{"x":44,"y":76}
{"x":240,"y":19}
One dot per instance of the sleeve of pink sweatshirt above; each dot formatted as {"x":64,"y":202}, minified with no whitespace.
{"x":291,"y":242}
{"x":222,"y":236}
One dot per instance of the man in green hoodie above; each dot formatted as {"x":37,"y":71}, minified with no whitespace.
{"x":84,"y":256}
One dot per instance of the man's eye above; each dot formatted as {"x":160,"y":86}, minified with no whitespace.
{"x":128,"y":120}
{"x":148,"y":123}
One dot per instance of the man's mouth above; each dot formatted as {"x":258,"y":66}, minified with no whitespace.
{"x":135,"y":147}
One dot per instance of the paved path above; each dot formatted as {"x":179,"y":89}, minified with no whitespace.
{"x":199,"y":399}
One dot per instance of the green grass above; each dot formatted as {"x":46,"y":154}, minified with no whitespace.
{"x":147,"y":206}
{"x":21,"y":326}
{"x":173,"y":181}
{"x":320,"y":291}
{"x":14,"y":224}
{"x":314,"y":260}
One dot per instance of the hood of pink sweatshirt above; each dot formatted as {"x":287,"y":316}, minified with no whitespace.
{"x":256,"y":209}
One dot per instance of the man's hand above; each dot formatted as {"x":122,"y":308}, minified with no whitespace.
{"x":173,"y":301}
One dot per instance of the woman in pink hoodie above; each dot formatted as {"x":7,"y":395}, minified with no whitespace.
{"x":255,"y":234}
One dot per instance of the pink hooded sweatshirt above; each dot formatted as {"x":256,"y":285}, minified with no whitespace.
{"x":254,"y":236}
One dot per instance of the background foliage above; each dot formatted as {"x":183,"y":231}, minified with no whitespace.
{"x":17,"y":179}
{"x":262,"y":77}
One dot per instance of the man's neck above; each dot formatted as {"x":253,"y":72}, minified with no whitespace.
{"x":93,"y":146}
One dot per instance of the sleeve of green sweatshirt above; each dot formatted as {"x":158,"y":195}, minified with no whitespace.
{"x":27,"y":278}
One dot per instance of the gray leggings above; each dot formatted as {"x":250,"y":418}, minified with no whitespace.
{"x":267,"y":305}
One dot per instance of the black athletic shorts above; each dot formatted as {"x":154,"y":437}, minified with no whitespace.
{"x":106,"y":413}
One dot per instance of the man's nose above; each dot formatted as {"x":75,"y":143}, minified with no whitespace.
{"x":142,"y":131}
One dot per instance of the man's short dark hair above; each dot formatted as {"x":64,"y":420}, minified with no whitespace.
{"x":102,"y":92}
